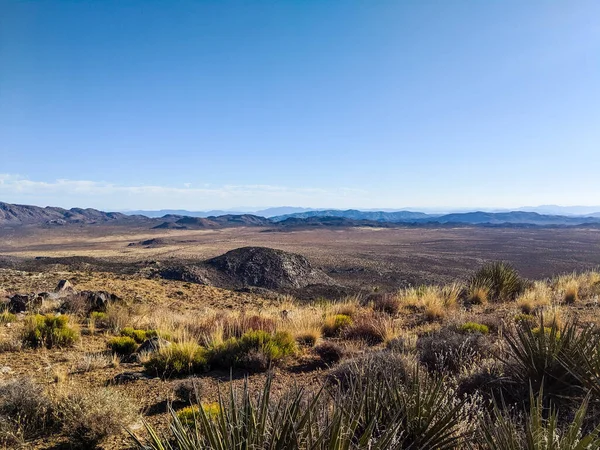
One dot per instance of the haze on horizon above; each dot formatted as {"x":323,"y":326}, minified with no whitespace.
{"x":220,"y":105}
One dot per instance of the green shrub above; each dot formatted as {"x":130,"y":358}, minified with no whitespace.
{"x":500,"y":279}
{"x":138,"y":336}
{"x":474,"y":327}
{"x":525,"y":319}
{"x":178,"y":359}
{"x":7,"y":317}
{"x":244,"y":351}
{"x":49,"y":331}
{"x":189,"y":415}
{"x":123,"y":345}
{"x":99,"y":319}
{"x":334,"y":325}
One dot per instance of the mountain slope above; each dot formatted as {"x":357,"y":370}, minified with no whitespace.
{"x":381,"y":216}
{"x":26,"y":214}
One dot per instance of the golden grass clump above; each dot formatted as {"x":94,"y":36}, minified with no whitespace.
{"x":539,"y":296}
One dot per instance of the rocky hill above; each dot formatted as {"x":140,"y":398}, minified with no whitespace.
{"x":268,"y":268}
{"x":26,"y":214}
{"x":227,"y":220}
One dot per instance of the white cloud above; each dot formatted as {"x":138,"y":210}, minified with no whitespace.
{"x":104,"y":195}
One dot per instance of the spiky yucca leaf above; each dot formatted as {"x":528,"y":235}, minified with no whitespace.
{"x":501,"y":432}
{"x":535,"y":355}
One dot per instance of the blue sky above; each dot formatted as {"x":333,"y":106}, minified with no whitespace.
{"x":372,"y":104}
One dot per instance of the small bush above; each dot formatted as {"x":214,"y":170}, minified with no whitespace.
{"x":308,"y":338}
{"x":138,"y":336}
{"x":387,"y":303}
{"x":189,"y":390}
{"x":525,"y":319}
{"x":477,"y":295}
{"x":25,"y":411}
{"x":447,"y":350}
{"x":88,"y":416}
{"x":377,"y":366}
{"x":123,"y":345}
{"x":500,"y":279}
{"x":178,"y":359}
{"x":7,"y":317}
{"x":49,"y":331}
{"x":252,"y":349}
{"x":334,"y":325}
{"x":330,"y":352}
{"x":367,"y":330}
{"x":99,"y":319}
{"x":474,"y":327}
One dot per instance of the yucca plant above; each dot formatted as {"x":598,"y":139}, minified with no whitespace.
{"x":374,"y":415}
{"x":536,"y":357}
{"x":583,"y":361}
{"x":541,"y":431}
{"x":499,"y":279}
{"x":419,"y":413}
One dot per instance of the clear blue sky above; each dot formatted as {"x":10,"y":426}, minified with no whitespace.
{"x":373,"y":104}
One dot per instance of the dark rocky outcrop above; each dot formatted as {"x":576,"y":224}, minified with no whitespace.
{"x":188,"y":273}
{"x":25,"y":302}
{"x":268,"y":268}
{"x":64,"y":286}
{"x":85,"y":302}
{"x":153,"y":345}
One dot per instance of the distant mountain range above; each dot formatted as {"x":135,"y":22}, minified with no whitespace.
{"x":475,"y":218}
{"x":16,"y":215}
{"x":26,"y":214}
{"x":268,"y":212}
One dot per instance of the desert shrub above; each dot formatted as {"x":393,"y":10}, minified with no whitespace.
{"x":308,"y":338}
{"x":486,"y":379}
{"x":123,"y":345}
{"x":188,"y":390}
{"x":525,"y":319}
{"x":7,"y":317}
{"x":367,"y":330}
{"x":99,"y":319}
{"x":93,"y":361}
{"x":330,"y":352}
{"x":88,"y":416}
{"x":500,"y":279}
{"x":379,"y":365}
{"x":252,"y":349}
{"x":49,"y":331}
{"x":399,"y":344}
{"x":474,"y":327}
{"x":25,"y":411}
{"x":334,"y":325}
{"x":138,"y":336}
{"x":447,"y":350}
{"x":477,"y":295}
{"x":387,"y":303}
{"x":189,"y":415}
{"x":183,"y":358}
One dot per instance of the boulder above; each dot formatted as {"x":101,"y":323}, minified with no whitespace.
{"x":19,"y":303}
{"x":153,"y":345}
{"x":99,"y":300}
{"x":64,"y":286}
